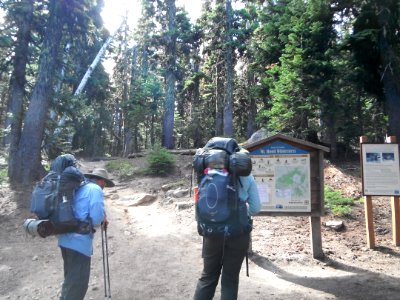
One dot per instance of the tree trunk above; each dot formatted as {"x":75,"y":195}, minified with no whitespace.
{"x":228,"y":105}
{"x":13,"y":120}
{"x":332,"y":136}
{"x":145,"y":60}
{"x":168,"y":128}
{"x":152,"y":125}
{"x":135,"y":146}
{"x":3,"y":99}
{"x":131,"y":127}
{"x":117,"y":128}
{"x":91,"y":68}
{"x":128,"y":142}
{"x":251,"y":118}
{"x":84,"y":80}
{"x":219,"y":100}
{"x":197,"y":135}
{"x":25,"y":164}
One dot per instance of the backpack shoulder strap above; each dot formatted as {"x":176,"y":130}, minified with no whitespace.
{"x":240,"y":182}
{"x":84,"y":182}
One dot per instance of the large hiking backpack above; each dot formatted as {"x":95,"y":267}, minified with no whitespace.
{"x":219,"y":211}
{"x":52,"y":199}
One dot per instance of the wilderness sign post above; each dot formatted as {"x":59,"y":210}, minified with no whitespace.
{"x":290,"y":178}
{"x":381,"y":177}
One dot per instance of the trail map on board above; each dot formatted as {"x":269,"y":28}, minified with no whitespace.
{"x":282,"y":173}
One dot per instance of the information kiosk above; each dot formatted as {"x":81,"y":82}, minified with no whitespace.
{"x":290,"y":178}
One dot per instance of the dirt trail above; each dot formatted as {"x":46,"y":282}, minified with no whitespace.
{"x":155,"y":254}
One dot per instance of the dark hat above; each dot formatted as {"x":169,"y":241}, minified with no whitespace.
{"x":100,"y":173}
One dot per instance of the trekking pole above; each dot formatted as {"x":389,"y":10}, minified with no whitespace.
{"x":247,"y":264}
{"x":108,"y":268}
{"x":104,"y":262}
{"x":191,"y":183}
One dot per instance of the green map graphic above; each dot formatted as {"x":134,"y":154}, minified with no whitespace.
{"x":291,"y":181}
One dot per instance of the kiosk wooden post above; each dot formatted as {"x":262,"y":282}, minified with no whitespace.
{"x":396,"y":220}
{"x":315,"y":220}
{"x":316,"y":240}
{"x":369,"y":217}
{"x":395,"y":203}
{"x":369,"y":222}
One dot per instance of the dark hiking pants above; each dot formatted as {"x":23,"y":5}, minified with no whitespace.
{"x":222,"y":255}
{"x":76,"y":275}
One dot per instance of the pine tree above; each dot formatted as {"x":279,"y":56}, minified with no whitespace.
{"x":376,"y":46}
{"x":63,"y":16}
{"x":22,"y":13}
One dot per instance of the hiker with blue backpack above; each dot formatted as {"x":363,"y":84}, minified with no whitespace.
{"x":227,"y":198}
{"x":77,"y":247}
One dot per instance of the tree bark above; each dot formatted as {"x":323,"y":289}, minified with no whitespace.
{"x":219,"y":99}
{"x":251,"y":118}
{"x":228,"y":105}
{"x":130,"y":128}
{"x":168,"y":128}
{"x":13,"y":121}
{"x":91,"y":68}
{"x":197,"y":134}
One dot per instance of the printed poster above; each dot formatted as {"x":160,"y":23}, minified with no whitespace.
{"x":380,"y":169}
{"x":282,"y":173}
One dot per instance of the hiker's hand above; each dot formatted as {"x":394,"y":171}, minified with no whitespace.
{"x":104,"y":224}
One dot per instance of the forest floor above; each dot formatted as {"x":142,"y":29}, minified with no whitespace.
{"x":155,"y":252}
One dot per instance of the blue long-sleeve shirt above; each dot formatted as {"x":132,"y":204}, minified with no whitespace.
{"x":248,"y":192}
{"x":88,"y":203}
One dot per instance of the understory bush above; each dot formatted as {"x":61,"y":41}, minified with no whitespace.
{"x":123,"y":168}
{"x":160,"y":161}
{"x":3,"y":175}
{"x":337,"y":203}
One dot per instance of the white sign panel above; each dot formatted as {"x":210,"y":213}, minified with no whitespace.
{"x":381,"y":174}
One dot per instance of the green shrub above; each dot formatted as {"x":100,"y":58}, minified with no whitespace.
{"x":337,"y":203}
{"x":122,"y":168}
{"x":160,"y":161}
{"x":3,"y":175}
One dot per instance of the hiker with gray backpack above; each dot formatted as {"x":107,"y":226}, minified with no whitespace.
{"x":77,"y":248}
{"x":70,"y":204}
{"x":226,"y":198}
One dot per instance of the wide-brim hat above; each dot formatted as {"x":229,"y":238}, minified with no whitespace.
{"x":100,"y":173}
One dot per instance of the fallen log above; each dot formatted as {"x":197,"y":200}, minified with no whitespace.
{"x":134,"y":155}
{"x":183,"y":151}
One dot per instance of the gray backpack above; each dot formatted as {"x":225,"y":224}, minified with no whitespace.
{"x":52,"y":198}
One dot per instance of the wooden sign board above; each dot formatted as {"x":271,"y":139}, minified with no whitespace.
{"x":289,"y":175}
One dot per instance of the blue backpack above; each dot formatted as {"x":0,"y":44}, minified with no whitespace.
{"x":219,"y":211}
